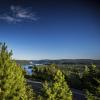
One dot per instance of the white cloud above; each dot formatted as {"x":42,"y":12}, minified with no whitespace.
{"x":18,"y":14}
{"x":9,"y":19}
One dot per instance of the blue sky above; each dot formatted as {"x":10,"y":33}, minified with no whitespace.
{"x":51,"y":29}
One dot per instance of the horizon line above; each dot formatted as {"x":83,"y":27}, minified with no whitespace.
{"x":58,"y":59}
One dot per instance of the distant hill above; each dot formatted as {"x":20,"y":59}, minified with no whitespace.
{"x":60,"y":61}
{"x":23,"y":62}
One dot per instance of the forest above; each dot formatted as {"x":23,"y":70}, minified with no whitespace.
{"x":57,"y":80}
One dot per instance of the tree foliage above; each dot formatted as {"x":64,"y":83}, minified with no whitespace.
{"x":91,"y":82}
{"x":12,"y":83}
{"x":57,"y":89}
{"x":43,"y":73}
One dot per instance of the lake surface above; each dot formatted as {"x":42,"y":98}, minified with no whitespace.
{"x":27,"y":69}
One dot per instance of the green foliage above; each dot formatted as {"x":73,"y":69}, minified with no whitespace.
{"x":40,"y":97}
{"x":23,"y":62}
{"x":91,"y":82}
{"x":74,"y":81}
{"x":54,"y":84}
{"x":12,"y":83}
{"x":89,"y":96}
{"x":73,"y":75}
{"x":57,"y":89}
{"x":43,"y":73}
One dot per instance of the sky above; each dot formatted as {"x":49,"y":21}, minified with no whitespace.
{"x":51,"y":29}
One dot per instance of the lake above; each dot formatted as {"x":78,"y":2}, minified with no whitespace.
{"x":28,"y":69}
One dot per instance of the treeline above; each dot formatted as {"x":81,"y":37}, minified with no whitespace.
{"x":80,"y":62}
{"x":23,"y":62}
{"x":56,"y":81}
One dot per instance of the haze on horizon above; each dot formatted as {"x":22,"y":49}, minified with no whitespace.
{"x":51,"y":29}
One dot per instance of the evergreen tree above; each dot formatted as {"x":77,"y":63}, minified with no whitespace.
{"x":57,"y":89}
{"x":12,"y":83}
{"x":91,"y":82}
{"x":89,"y":96}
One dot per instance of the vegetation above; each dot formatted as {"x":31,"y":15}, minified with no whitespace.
{"x":82,"y":78}
{"x":57,"y":89}
{"x":43,"y":73}
{"x":12,"y":83}
{"x":91,"y":82}
{"x":57,"y":79}
{"x":23,"y":62}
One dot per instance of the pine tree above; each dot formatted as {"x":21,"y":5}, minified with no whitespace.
{"x":91,"y":82}
{"x":12,"y":83}
{"x":89,"y":96}
{"x":57,"y":89}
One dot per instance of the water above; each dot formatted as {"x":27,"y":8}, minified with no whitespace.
{"x":27,"y":69}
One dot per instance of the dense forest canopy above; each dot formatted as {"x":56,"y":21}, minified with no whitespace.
{"x":60,"y":61}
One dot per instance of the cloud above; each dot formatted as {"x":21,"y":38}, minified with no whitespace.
{"x":8,"y":18}
{"x":18,"y":14}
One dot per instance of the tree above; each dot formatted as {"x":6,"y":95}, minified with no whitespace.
{"x":57,"y":89}
{"x":89,"y":96}
{"x":44,"y":72}
{"x":91,"y":82}
{"x":12,"y":83}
